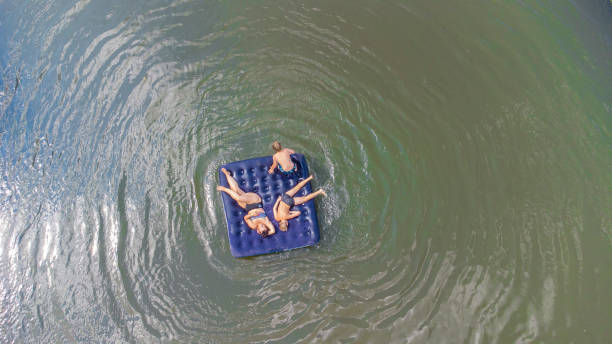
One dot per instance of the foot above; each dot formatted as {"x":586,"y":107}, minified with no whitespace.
{"x":322,"y":192}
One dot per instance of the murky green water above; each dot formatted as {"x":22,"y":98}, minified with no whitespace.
{"x":466,"y":149}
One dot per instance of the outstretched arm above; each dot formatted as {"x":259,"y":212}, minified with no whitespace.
{"x":275,"y":208}
{"x":274,"y":163}
{"x":293,"y":214}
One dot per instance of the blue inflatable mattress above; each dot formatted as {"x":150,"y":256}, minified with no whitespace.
{"x":252,"y":176}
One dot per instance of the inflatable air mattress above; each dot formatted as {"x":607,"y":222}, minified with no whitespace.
{"x":252,"y":176}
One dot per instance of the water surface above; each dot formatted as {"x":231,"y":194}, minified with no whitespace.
{"x":466,"y":151}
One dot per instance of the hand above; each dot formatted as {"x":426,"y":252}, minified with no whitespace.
{"x":270,"y":170}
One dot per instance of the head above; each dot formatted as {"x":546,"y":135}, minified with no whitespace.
{"x":282,"y":225}
{"x":262,"y":230}
{"x":276,"y":146}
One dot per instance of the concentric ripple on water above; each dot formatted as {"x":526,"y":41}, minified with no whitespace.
{"x":465,"y":150}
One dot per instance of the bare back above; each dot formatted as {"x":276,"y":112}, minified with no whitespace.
{"x":284,"y":158}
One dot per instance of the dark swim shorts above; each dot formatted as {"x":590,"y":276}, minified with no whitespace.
{"x":288,"y":200}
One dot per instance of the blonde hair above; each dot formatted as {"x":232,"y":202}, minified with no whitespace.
{"x":276,"y":146}
{"x":283,"y":225}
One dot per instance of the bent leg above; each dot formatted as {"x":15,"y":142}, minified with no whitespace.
{"x":298,"y":186}
{"x":232,"y":182}
{"x":302,"y":200}
{"x":233,"y":194}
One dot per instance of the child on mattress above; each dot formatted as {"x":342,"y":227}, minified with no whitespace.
{"x":282,"y":159}
{"x":282,"y":207}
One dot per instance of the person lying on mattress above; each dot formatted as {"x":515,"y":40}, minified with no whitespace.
{"x":282,"y":207}
{"x":256,"y":217}
{"x":282,"y":159}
